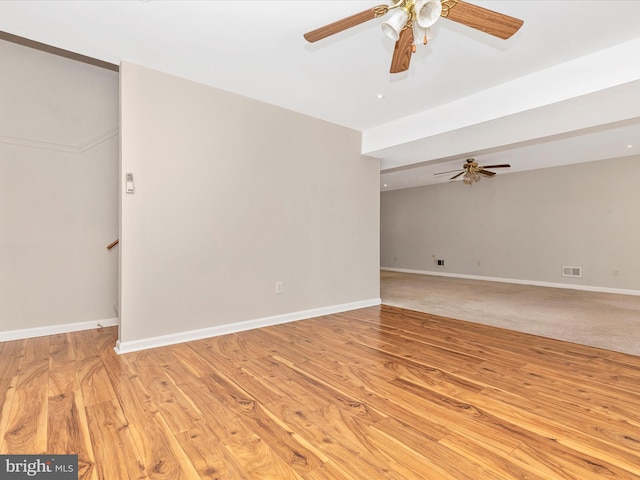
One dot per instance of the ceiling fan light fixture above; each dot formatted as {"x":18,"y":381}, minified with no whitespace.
{"x":427,"y":12}
{"x":470,"y":177}
{"x":410,"y":14}
{"x":394,"y":25}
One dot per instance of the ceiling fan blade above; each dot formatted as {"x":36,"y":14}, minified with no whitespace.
{"x":402,"y":51}
{"x":346,"y":23}
{"x":488,"y":21}
{"x":486,"y":172}
{"x":450,"y":171}
{"x":504,"y":165}
{"x":456,"y":176}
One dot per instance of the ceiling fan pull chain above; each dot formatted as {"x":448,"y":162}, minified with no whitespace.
{"x":415,"y":39}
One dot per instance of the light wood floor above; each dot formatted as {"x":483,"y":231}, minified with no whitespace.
{"x":376,"y":393}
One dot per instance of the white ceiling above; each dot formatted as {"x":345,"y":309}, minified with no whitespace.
{"x":564,"y":89}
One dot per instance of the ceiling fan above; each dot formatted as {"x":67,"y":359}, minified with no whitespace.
{"x":471,"y":171}
{"x":412,"y":19}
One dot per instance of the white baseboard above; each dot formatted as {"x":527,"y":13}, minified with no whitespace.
{"x":55,"y":329}
{"x":587,"y":288}
{"x":171,"y":339}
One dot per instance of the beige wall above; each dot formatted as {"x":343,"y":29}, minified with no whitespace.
{"x":58,"y":193}
{"x":233,"y":195}
{"x":522,"y":226}
{"x":59,"y":211}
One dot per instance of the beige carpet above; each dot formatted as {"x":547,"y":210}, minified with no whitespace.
{"x":604,"y":320}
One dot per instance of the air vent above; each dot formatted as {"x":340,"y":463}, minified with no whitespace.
{"x":571,"y":271}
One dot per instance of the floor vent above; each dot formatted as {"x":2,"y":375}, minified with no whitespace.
{"x":571,"y":271}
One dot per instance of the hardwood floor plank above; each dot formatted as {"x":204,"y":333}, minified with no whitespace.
{"x":342,"y":441}
{"x":68,"y":432}
{"x":94,"y":381}
{"x":160,"y":451}
{"x":326,"y":348}
{"x":259,"y":385}
{"x":569,"y":434}
{"x":36,"y":349}
{"x":84,"y":344}
{"x":26,"y":427}
{"x":350,"y":397}
{"x":134,"y":399}
{"x":63,"y":374}
{"x":189,"y":359}
{"x":167,"y":399}
{"x":442,"y":460}
{"x":7,"y":392}
{"x":584,"y":381}
{"x":209,"y":456}
{"x":412,"y":464}
{"x":114,"y":447}
{"x":497,"y":463}
{"x":328,"y":471}
{"x":174,"y":369}
{"x":12,"y":356}
{"x":294,"y":453}
{"x":566,"y":415}
{"x":260,"y":461}
{"x":34,"y":374}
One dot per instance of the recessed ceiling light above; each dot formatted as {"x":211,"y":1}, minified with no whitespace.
{"x":384,"y":185}
{"x":629,"y":146}
{"x":380,"y":96}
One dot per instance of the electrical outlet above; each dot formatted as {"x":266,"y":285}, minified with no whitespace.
{"x":279,"y":288}
{"x":441,"y":263}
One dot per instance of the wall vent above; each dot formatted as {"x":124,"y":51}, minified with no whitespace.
{"x":571,"y":271}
